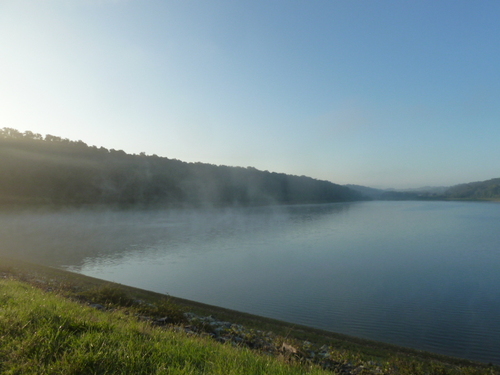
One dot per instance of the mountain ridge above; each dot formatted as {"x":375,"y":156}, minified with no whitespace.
{"x":52,"y":170}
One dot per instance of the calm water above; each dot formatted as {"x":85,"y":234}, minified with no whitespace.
{"x":419,"y":274}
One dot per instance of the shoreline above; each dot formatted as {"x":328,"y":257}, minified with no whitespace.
{"x":53,"y":278}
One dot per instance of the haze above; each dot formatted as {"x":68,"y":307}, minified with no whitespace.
{"x":377,"y":93}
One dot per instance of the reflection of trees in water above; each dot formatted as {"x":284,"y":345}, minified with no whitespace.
{"x":70,"y":238}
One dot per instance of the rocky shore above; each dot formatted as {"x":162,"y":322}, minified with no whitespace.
{"x":264,"y":342}
{"x":225,"y":332}
{"x":294,"y":344}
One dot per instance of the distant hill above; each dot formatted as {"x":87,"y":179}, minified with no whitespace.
{"x":489,"y":189}
{"x":51,"y":170}
{"x":426,"y":190}
{"x":366,"y":191}
{"x":424,"y":193}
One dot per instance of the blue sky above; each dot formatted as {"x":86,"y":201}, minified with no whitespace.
{"x":378,"y":93}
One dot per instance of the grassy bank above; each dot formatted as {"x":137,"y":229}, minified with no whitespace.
{"x":48,"y":327}
{"x":42,"y":333}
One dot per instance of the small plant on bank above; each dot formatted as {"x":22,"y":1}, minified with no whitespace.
{"x":162,"y":309}
{"x":108,"y":296}
{"x":112,"y":297}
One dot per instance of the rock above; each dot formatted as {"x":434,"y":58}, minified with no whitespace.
{"x":221,"y":339}
{"x":324,"y":352}
{"x":217,"y":331}
{"x":98,"y":306}
{"x":191,"y":316}
{"x":237,"y":340}
{"x":288,"y":349}
{"x":163,"y":321}
{"x":209,"y":319}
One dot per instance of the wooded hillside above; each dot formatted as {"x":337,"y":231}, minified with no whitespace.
{"x":489,"y":189}
{"x":51,"y":170}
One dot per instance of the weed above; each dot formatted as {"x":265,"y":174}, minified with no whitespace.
{"x":108,"y":295}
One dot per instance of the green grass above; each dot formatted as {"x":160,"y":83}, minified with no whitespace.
{"x":43,"y":333}
{"x":46,"y":327}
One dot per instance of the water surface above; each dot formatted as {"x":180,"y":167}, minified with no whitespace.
{"x":418,"y":274}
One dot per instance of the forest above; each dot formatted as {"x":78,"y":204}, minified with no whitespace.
{"x":50,"y":170}
{"x":489,"y":189}
{"x":480,"y":190}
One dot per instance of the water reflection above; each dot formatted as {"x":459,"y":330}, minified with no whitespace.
{"x":419,"y":274}
{"x":72,"y":238}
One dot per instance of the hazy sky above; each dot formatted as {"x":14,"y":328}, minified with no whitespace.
{"x":379,"y":93}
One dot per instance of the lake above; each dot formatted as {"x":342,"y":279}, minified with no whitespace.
{"x":418,"y":274}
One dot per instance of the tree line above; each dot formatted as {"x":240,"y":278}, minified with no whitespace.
{"x":489,"y":189}
{"x":51,"y":170}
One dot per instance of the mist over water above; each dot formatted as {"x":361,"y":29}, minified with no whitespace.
{"x":419,"y":274}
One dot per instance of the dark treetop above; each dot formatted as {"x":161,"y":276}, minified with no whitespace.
{"x":51,"y":170}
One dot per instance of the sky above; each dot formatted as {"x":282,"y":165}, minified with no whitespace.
{"x":379,"y":93}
